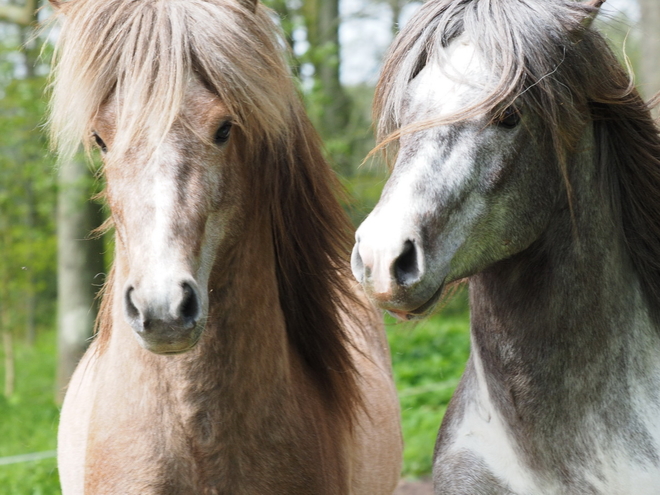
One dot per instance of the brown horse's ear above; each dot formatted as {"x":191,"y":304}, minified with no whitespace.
{"x":251,"y":5}
{"x":595,"y":5}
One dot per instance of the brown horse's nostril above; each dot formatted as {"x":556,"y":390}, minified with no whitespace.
{"x":163,"y":317}
{"x":406,"y":266}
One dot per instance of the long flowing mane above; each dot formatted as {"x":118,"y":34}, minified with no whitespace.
{"x":146,"y":51}
{"x":546,"y":59}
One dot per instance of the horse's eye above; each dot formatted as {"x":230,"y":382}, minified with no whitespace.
{"x":222,"y":134}
{"x":99,"y":142}
{"x":509,"y":118}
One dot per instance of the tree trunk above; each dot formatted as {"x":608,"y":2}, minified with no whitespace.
{"x":397,"y":7}
{"x":322,"y":23}
{"x":30,"y":312}
{"x":30,"y":292}
{"x":23,"y":15}
{"x":650,"y":62}
{"x":288,"y":22}
{"x":9,"y":363}
{"x":329,"y":69}
{"x":79,"y":261}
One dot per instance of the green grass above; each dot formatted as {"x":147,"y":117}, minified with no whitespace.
{"x":428,"y":358}
{"x":28,"y":421}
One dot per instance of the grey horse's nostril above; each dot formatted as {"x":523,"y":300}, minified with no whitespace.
{"x":131,"y":310}
{"x":189,"y":308}
{"x":406,"y":266}
{"x":357,"y":266}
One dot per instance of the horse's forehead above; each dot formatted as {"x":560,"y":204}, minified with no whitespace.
{"x":199,"y":107}
{"x":449,"y":82}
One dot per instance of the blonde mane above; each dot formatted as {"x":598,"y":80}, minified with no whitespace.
{"x":146,"y":51}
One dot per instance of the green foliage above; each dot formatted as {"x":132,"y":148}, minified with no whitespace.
{"x":28,"y":421}
{"x":428,"y":359}
{"x":347,"y":147}
{"x":27,"y":191}
{"x":624,"y":41}
{"x":341,"y":114}
{"x":27,"y":207}
{"x":347,"y":151}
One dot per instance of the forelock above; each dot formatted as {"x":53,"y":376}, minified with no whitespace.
{"x":144,"y":53}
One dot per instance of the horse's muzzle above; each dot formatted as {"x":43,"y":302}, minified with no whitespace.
{"x":165,"y":325}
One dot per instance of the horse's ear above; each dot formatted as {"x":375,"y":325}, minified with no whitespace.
{"x":595,"y":6}
{"x":251,"y":5}
{"x":59,"y":6}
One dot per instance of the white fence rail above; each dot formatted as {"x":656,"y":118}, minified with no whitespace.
{"x":36,"y":456}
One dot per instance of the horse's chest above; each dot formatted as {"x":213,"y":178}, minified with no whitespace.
{"x":210,"y":455}
{"x":145,"y":471}
{"x":615,"y":459}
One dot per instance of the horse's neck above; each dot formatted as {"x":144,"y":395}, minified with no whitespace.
{"x":562,"y":333}
{"x":243,"y":354}
{"x":563,"y":319}
{"x":240,"y":399}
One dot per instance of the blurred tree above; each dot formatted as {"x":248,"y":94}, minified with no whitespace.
{"x":79,"y":262}
{"x":22,"y":14}
{"x":27,"y":201}
{"x":17,"y":188}
{"x":289,"y":20}
{"x":341,"y":114}
{"x":650,"y":60}
{"x":396,"y":7}
{"x":321,"y":21}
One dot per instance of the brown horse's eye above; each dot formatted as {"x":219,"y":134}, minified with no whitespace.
{"x":222,"y":134}
{"x":99,"y":142}
{"x":509,"y":118}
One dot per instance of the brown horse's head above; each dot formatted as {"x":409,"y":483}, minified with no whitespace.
{"x":181,"y":97}
{"x":209,"y":158}
{"x":172,"y":206}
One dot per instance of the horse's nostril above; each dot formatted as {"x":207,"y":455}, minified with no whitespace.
{"x":189,"y":307}
{"x":131,"y":310}
{"x":406,"y":266}
{"x":357,"y":266}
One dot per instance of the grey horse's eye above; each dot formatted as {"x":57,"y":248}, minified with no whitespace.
{"x":509,"y":118}
{"x":222,"y":134}
{"x":99,"y":142}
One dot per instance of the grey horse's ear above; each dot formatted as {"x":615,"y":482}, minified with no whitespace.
{"x":59,"y":6}
{"x":595,"y":5}
{"x":251,"y":5}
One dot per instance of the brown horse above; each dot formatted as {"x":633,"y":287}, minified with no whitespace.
{"x":232,"y":354}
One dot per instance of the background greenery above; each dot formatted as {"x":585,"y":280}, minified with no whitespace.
{"x":28,"y":420}
{"x":428,"y":357}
